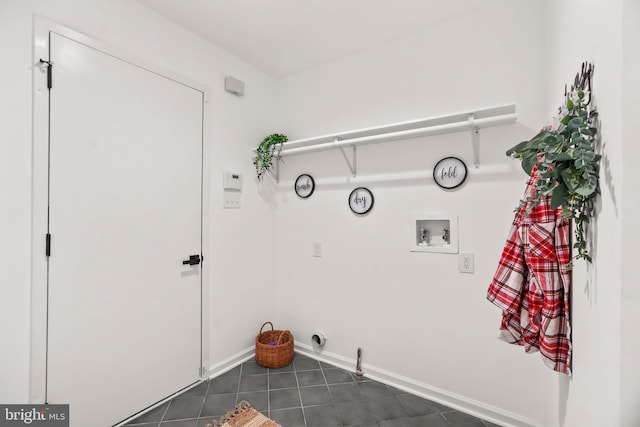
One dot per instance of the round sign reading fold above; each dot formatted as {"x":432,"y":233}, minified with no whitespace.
{"x":450,"y":172}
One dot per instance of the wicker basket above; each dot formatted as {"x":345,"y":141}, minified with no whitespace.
{"x":274,"y":349}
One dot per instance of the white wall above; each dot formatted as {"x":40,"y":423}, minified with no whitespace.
{"x":414,"y":314}
{"x":236,"y":125}
{"x":630,"y":364}
{"x":593,"y":396}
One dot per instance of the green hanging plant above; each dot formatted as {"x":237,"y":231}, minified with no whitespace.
{"x":268,"y":149}
{"x":568,"y":163}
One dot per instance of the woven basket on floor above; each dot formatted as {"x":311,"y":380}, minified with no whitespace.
{"x":274,"y":349}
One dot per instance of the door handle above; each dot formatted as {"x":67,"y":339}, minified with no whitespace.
{"x":193,"y":260}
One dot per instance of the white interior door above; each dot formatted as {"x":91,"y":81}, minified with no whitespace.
{"x":124,"y":327}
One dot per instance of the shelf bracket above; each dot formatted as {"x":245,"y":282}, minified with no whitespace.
{"x":276,"y":174}
{"x":350,"y":164}
{"x":475,"y":140}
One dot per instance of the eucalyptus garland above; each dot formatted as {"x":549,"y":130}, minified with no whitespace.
{"x":266,"y":151}
{"x":568,"y":164}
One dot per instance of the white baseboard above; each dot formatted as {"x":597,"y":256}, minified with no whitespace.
{"x":231,"y":362}
{"x":462,"y":403}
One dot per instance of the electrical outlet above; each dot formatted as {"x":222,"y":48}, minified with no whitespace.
{"x":317,"y":249}
{"x":465,"y":262}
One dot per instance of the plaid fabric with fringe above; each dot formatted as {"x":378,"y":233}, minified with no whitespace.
{"x":532,"y":282}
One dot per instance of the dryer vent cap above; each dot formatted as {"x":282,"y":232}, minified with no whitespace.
{"x":318,"y":339}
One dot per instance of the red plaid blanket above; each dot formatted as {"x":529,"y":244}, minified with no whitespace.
{"x":532,"y":282}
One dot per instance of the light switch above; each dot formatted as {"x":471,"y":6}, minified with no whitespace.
{"x":231,"y":199}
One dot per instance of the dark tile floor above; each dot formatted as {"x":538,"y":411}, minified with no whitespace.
{"x":305,"y":393}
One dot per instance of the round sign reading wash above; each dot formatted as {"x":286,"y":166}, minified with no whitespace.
{"x":304,"y":186}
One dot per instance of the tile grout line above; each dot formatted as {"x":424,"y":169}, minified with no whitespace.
{"x":204,"y":398}
{"x":295,"y":372}
{"x":165,"y":413}
{"x":445,"y":418}
{"x":268,"y":393}
{"x":170,"y":421}
{"x":377,"y":418}
{"x":239,"y":382}
{"x":333,"y":403}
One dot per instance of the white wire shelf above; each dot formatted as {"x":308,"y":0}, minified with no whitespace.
{"x":471,"y":121}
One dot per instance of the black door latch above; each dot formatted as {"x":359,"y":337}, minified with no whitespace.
{"x":193,"y":260}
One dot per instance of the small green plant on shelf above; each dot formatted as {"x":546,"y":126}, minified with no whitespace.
{"x":567,"y":161}
{"x":267,"y":152}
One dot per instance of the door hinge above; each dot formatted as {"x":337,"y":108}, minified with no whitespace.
{"x":49,"y":72}
{"x":47,"y":249}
